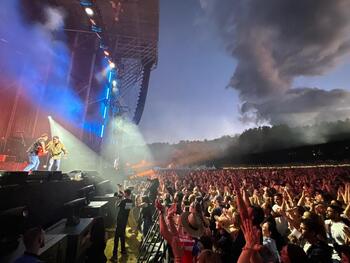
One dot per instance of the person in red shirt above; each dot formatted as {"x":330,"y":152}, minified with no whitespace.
{"x":180,"y":237}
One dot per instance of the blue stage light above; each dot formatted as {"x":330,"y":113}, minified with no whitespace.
{"x":85,"y":3}
{"x":102,"y":130}
{"x":107,"y":94}
{"x":105,"y":113}
{"x":96,"y":29}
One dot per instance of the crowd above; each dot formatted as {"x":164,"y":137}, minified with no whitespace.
{"x":239,"y":215}
{"x":256,"y":215}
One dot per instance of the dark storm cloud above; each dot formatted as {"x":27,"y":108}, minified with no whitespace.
{"x":276,"y":41}
{"x":301,"y":107}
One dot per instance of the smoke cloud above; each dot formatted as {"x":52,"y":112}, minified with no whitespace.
{"x":34,"y":55}
{"x":276,"y":41}
{"x":54,"y":18}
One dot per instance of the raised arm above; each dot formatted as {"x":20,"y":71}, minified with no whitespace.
{"x":164,"y":231}
{"x":252,"y":239}
{"x":171,"y":221}
{"x":301,"y":201}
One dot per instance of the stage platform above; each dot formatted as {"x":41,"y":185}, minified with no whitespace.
{"x":46,"y":199}
{"x":43,"y":199}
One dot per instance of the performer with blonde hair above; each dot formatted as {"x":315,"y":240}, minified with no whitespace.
{"x":55,"y":149}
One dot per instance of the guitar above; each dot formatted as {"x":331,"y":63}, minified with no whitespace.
{"x":40,"y":151}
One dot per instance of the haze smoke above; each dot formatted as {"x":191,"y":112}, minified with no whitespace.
{"x":54,"y":18}
{"x":276,"y":41}
{"x":32,"y":57}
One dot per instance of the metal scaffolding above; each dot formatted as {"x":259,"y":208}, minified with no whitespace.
{"x":130,"y":30}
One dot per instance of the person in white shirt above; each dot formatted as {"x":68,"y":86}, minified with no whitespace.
{"x":335,"y":228}
{"x":281,"y":220}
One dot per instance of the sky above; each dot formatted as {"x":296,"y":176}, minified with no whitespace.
{"x":188,"y":97}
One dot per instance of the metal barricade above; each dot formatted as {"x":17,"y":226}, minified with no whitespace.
{"x":153,"y":247}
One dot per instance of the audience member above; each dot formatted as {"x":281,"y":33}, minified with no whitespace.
{"x":33,"y":240}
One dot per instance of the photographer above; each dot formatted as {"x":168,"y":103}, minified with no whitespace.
{"x":124,"y":206}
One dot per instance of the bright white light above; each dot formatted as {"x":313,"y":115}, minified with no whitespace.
{"x":105,"y":112}
{"x":102,"y":130}
{"x":111,"y":65}
{"x":80,"y":156}
{"x":49,"y":117}
{"x":114,"y":83}
{"x":89,"y":11}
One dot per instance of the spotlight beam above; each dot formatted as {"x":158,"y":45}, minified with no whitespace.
{"x":80,"y":156}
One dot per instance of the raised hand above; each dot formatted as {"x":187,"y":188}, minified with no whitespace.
{"x":242,"y":207}
{"x":159,"y":206}
{"x":172,"y":210}
{"x":251,"y":234}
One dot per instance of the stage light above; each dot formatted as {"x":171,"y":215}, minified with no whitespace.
{"x":89,"y":11}
{"x":92,"y":21}
{"x":96,"y":29}
{"x":105,"y":113}
{"x":85,"y":3}
{"x":106,"y":53}
{"x":107,"y":94}
{"x":49,"y":117}
{"x":102,"y":130}
{"x":114,"y":83}
{"x":111,"y":65}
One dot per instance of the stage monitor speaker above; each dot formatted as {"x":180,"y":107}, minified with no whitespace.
{"x":72,"y":209}
{"x":46,"y":176}
{"x":88,"y":192}
{"x":13,"y":177}
{"x":104,"y":187}
{"x":78,"y":238}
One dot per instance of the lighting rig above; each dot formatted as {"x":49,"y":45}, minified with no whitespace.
{"x":111,"y":88}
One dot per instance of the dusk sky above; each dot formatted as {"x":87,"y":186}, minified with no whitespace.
{"x":188,"y":97}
